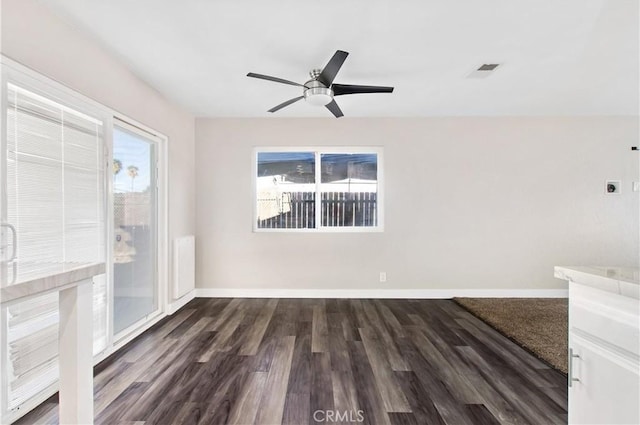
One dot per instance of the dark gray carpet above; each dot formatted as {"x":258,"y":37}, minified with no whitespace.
{"x":537,"y":324}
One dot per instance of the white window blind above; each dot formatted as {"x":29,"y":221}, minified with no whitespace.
{"x":32,"y":340}
{"x":56,"y":201}
{"x":55,"y":182}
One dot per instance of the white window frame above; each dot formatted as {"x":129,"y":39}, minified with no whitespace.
{"x":318,"y":151}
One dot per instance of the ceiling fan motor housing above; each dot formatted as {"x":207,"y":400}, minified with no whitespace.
{"x":317,"y":93}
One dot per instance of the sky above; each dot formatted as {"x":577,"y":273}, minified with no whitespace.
{"x":134,"y":150}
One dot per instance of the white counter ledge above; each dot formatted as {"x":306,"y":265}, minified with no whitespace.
{"x":73,"y":283}
{"x":53,"y":278}
{"x":623,"y":281}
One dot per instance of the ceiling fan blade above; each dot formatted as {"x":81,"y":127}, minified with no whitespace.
{"x":335,"y":109}
{"x":276,"y":79}
{"x":331,"y":69}
{"x":341,"y":89}
{"x":287,"y":103}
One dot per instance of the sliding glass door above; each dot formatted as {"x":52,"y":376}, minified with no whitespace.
{"x":135,"y":218}
{"x":62,"y":206}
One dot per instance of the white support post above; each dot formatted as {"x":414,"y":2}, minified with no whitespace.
{"x":76,"y":354}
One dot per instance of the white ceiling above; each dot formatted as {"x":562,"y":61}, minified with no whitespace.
{"x":560,"y":57}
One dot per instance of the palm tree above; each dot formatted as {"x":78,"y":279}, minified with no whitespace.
{"x":117,"y":166}
{"x":133,"y":173}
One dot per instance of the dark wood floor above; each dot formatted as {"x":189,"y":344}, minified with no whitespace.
{"x":246,"y":361}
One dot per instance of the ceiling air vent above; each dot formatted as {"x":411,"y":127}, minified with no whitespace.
{"x":483,"y":70}
{"x":488,"y":67}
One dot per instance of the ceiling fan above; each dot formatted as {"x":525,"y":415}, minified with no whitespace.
{"x":320,"y":89}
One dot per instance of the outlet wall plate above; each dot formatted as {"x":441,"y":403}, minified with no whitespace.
{"x":612,"y":187}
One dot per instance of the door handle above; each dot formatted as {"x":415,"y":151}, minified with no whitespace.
{"x":14,"y":243}
{"x":571,"y":357}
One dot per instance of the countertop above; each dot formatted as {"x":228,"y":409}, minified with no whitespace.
{"x":624,"y":281}
{"x":52,"y":276}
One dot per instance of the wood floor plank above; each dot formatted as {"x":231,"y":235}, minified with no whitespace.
{"x":123,"y":403}
{"x":358,"y":314}
{"x":491,"y":334}
{"x":448,"y":407}
{"x":224,"y":333}
{"x":515,"y":374}
{"x":396,"y":361}
{"x":283,"y":322}
{"x":245,"y":408}
{"x":457,"y":384}
{"x":480,"y":415}
{"x":272,"y":403}
{"x":397,"y":418}
{"x":223,"y":388}
{"x":228,"y":311}
{"x":261,"y":362}
{"x":393,"y":398}
{"x":345,"y":395}
{"x":494,"y":402}
{"x":254,"y":338}
{"x":150,"y":340}
{"x":421,"y":404}
{"x":277,"y":361}
{"x":519,"y":396}
{"x":319,"y":330}
{"x":103,"y":398}
{"x":369,"y":397}
{"x":219,"y":374}
{"x":297,"y":409}
{"x":189,"y":413}
{"x":300,"y":374}
{"x":390,"y":319}
{"x":321,"y":386}
{"x":183,"y":381}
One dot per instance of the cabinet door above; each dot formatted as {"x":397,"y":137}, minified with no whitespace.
{"x":607,"y":390}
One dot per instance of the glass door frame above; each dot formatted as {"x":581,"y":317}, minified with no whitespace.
{"x":161,"y":273}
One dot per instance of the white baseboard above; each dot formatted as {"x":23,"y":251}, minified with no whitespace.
{"x":181,"y":302}
{"x":379,"y":293}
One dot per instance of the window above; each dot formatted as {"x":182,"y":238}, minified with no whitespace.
{"x":328,"y":189}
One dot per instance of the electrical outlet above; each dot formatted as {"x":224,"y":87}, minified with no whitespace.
{"x":383,"y":276}
{"x":612,"y":187}
{"x":636,"y":186}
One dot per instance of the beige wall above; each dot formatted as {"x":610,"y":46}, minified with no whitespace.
{"x":470,"y":203}
{"x":494,"y":202}
{"x":36,"y":38}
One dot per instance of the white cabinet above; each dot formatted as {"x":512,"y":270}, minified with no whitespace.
{"x":607,"y":388}
{"x":604,"y":346}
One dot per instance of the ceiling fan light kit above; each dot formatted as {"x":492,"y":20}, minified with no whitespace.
{"x":320,"y":90}
{"x":316,"y":93}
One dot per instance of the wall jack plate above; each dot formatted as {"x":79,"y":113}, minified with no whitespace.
{"x":612,"y":187}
